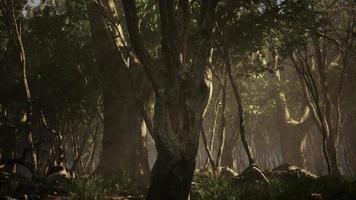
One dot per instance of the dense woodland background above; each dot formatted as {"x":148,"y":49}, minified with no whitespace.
{"x":152,"y":90}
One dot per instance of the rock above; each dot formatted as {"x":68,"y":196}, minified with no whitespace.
{"x":226,"y":172}
{"x":316,"y":197}
{"x":252,"y":174}
{"x":23,"y":172}
{"x":24,"y":197}
{"x":285,"y":167}
{"x":291,"y":171}
{"x":6,"y":198}
{"x":20,"y":169}
{"x":4,"y":179}
{"x":4,"y":175}
{"x":59,"y":171}
{"x":203,"y":172}
{"x":27,"y":187}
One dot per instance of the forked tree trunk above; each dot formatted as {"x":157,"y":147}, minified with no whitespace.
{"x":181,"y":93}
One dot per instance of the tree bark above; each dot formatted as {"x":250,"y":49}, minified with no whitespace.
{"x":330,"y":130}
{"x":181,"y":94}
{"x":122,"y":145}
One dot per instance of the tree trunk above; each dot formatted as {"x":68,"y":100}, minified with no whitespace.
{"x":177,"y":130}
{"x":122,"y":145}
{"x":292,"y":147}
{"x":227,"y":159}
{"x":173,"y":170}
{"x":181,"y":93}
{"x":292,"y":132}
{"x":222,"y":128}
{"x":326,"y":119}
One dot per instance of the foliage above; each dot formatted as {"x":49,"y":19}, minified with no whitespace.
{"x":94,"y":188}
{"x":226,"y":188}
{"x":97,"y":187}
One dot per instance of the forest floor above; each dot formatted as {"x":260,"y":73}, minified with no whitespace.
{"x":292,"y":185}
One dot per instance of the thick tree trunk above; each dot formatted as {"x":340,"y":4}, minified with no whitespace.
{"x":227,"y":159}
{"x":173,"y":170}
{"x":181,"y":93}
{"x":122,"y":138}
{"x":122,"y":145}
{"x":292,"y":147}
{"x":171,"y":178}
{"x":177,"y":130}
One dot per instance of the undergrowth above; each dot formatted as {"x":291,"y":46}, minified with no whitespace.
{"x":98,"y":188}
{"x":227,"y":188}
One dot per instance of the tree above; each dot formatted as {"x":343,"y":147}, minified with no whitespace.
{"x":178,"y":78}
{"x":123,"y":147}
{"x":11,"y":10}
{"x":324,"y":44}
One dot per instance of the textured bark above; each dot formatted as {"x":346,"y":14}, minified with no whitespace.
{"x":326,"y":120}
{"x":122,"y":145}
{"x":181,"y":94}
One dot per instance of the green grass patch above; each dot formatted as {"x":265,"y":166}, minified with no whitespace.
{"x":227,"y":188}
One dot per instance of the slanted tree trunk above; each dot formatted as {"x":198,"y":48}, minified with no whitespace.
{"x":227,"y":62}
{"x":122,"y":145}
{"x":210,"y":158}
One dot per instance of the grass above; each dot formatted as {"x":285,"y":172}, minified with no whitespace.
{"x":98,"y":188}
{"x":225,"y":188}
